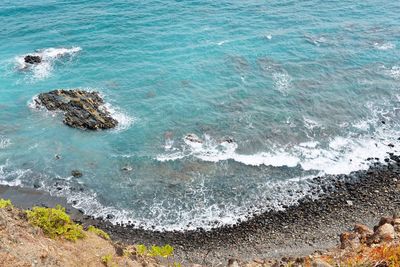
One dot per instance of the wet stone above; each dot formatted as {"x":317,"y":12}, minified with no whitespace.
{"x":32,"y":59}
{"x":76,"y":173}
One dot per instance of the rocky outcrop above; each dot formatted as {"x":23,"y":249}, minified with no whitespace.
{"x":349,"y":240}
{"x":32,"y":59}
{"x":363,"y":232}
{"x":387,"y":230}
{"x":383,"y":233}
{"x":81,"y":109}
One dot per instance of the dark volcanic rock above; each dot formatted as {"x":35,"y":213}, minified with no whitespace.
{"x":76,"y":173}
{"x":32,"y":59}
{"x":81,"y":109}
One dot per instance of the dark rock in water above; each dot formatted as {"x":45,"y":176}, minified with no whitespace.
{"x":76,"y":173}
{"x":32,"y":59}
{"x":127,"y":168}
{"x":229,"y":140}
{"x":193,"y":138}
{"x":81,"y":109}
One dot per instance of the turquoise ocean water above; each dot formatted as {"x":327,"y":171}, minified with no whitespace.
{"x":299,"y":88}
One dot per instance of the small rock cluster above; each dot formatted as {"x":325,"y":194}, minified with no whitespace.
{"x":387,"y":230}
{"x":31,"y":59}
{"x":81,"y":109}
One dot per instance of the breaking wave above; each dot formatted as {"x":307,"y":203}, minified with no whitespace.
{"x":49,"y":56}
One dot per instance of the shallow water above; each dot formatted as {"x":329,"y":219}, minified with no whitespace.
{"x":301,"y":87}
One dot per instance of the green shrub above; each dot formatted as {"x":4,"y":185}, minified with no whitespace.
{"x":55,"y":222}
{"x":155,"y":251}
{"x":5,"y":203}
{"x":98,"y":232}
{"x":141,"y":250}
{"x":164,"y":251}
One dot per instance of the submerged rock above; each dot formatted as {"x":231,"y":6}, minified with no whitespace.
{"x":32,"y":59}
{"x":193,"y":138}
{"x":76,"y":173}
{"x":127,"y":168}
{"x":82,"y":109}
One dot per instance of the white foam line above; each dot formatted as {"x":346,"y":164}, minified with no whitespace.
{"x":204,"y":216}
{"x":171,"y":215}
{"x":11,"y":178}
{"x":342,"y":155}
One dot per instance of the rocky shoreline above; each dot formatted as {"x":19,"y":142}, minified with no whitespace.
{"x":302,"y":229}
{"x":312,"y":225}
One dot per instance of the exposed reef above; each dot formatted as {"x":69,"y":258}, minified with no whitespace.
{"x":82,"y":109}
{"x":32,"y":59}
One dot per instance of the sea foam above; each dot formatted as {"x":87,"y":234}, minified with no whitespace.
{"x":206,"y":215}
{"x":384,"y":45}
{"x":4,"y":142}
{"x":340,"y":155}
{"x":49,"y":56}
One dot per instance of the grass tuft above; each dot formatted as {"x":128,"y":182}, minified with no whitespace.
{"x":107,"y":260}
{"x":98,"y":232}
{"x":155,"y":251}
{"x":5,"y":203}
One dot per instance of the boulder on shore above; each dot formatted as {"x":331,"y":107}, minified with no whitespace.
{"x":383,"y":233}
{"x":363,"y":231}
{"x":81,"y":109}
